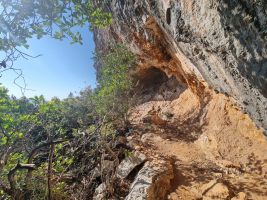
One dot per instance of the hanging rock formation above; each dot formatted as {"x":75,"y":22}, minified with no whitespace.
{"x":221,"y":45}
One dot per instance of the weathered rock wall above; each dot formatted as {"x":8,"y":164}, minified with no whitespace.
{"x":205,"y":44}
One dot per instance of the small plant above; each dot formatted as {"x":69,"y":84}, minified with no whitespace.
{"x":128,"y":153}
{"x":168,"y":114}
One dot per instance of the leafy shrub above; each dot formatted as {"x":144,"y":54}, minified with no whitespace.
{"x":115,"y":83}
{"x":78,"y":129}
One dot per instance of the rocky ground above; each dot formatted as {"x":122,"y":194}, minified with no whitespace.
{"x":189,"y":148}
{"x":210,"y":152}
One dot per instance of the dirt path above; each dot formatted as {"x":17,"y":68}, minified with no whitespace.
{"x":194,"y":172}
{"x":217,"y":153}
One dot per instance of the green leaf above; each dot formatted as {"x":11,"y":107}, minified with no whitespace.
{"x":3,"y":140}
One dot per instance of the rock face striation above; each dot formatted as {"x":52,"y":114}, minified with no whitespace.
{"x":152,"y":182}
{"x":219,"y":44}
{"x":202,"y":96}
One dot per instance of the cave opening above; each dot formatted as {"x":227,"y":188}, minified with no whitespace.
{"x":168,"y":16}
{"x":154,"y":84}
{"x":152,"y":77}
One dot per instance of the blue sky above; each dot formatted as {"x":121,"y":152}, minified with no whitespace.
{"x":62,"y":68}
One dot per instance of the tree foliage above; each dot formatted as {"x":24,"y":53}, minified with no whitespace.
{"x":21,"y":20}
{"x":28,"y":127}
{"x":24,"y":19}
{"x":50,"y":148}
{"x":115,"y":83}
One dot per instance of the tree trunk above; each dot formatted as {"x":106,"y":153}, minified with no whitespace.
{"x":49,"y":171}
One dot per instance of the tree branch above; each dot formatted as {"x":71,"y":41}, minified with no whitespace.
{"x":19,"y":166}
{"x":49,"y":171}
{"x":4,"y":157}
{"x":25,"y":55}
{"x":36,"y":149}
{"x":33,"y":154}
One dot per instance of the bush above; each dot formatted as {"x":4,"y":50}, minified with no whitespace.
{"x":115,"y":83}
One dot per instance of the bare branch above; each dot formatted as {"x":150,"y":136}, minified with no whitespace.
{"x":25,"y":55}
{"x":7,"y":64}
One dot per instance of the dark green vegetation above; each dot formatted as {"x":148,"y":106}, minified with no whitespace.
{"x":57,"y":149}
{"x":50,"y":149}
{"x":114,"y":81}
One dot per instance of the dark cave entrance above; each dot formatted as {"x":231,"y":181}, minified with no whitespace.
{"x":152,"y":77}
{"x":168,"y":16}
{"x":155,"y":85}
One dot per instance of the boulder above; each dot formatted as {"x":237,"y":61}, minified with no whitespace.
{"x":100,"y":192}
{"x":240,"y":196}
{"x":214,"y":190}
{"x":129,"y":163}
{"x":152,"y":182}
{"x":107,"y":165}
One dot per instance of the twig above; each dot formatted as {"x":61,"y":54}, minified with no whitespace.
{"x":25,"y":55}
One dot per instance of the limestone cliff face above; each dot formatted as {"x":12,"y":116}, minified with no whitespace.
{"x":208,"y":45}
{"x":202,"y":96}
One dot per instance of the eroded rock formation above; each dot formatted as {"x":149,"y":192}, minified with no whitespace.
{"x":221,"y":45}
{"x":202,"y":75}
